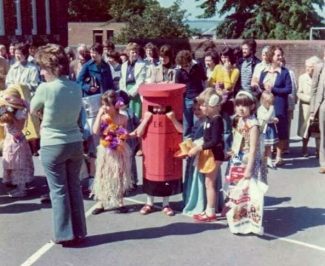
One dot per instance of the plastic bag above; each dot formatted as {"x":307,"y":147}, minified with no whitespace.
{"x":246,"y":203}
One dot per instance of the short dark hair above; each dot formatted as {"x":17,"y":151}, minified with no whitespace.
{"x":213,"y":55}
{"x":115,"y":55}
{"x":109,"y":44}
{"x":23,"y":48}
{"x":97,"y":47}
{"x":251,"y":43}
{"x":166,"y":50}
{"x":183,"y":57}
{"x":229,"y":52}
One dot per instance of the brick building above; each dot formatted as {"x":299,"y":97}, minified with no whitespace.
{"x":92,"y":32}
{"x":41,"y":21}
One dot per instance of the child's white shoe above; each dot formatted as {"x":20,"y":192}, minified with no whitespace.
{"x":270,"y":163}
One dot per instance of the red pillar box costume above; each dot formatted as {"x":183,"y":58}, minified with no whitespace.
{"x":162,"y":172}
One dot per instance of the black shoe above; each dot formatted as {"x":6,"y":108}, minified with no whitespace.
{"x":97,"y":211}
{"x":122,"y":209}
{"x":45,"y":199}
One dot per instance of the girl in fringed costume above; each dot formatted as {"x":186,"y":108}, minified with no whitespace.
{"x":17,"y":160}
{"x":113,"y":164}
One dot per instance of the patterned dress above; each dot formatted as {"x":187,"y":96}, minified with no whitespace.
{"x":113,"y":172}
{"x":17,"y":158}
{"x":259,"y":169}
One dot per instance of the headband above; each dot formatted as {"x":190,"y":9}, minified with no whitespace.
{"x":246,"y":93}
{"x":214,"y":100}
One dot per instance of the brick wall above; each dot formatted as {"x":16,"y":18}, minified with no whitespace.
{"x":296,"y":52}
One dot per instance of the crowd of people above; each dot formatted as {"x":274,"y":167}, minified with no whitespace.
{"x":82,"y":110}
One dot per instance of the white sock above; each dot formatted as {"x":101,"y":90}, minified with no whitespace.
{"x":165,"y":201}
{"x":150,"y":200}
{"x":210,"y":211}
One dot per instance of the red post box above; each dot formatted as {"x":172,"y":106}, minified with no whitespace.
{"x":162,"y":173}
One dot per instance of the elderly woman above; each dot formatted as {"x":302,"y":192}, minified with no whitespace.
{"x":133,"y":73}
{"x":59,"y":101}
{"x":304,"y":96}
{"x":276,"y":79}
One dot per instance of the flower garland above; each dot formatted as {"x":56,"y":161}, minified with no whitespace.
{"x":112,"y":135}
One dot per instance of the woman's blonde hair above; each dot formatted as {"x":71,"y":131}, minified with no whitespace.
{"x":205,"y":95}
{"x":132,"y":46}
{"x":53,"y":58}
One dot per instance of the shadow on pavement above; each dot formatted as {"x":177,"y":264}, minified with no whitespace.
{"x":22,"y":207}
{"x":149,"y":233}
{"x":272,"y":201}
{"x":34,"y":190}
{"x":287,"y":221}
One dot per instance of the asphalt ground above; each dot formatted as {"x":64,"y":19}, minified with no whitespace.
{"x":294,"y":223}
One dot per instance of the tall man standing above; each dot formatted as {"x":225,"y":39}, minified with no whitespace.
{"x":247,"y":65}
{"x":317,"y":107}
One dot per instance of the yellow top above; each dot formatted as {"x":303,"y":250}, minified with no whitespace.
{"x":221,"y":75}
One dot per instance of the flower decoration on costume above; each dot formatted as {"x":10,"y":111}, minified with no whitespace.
{"x":119,"y":102}
{"x":112,"y":135}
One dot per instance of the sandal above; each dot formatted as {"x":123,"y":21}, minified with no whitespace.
{"x":146,"y":209}
{"x":168,"y":211}
{"x":203,"y":217}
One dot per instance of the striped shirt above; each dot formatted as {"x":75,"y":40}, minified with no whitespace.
{"x":246,"y":74}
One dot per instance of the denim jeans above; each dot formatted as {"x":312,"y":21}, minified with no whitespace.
{"x":188,"y":117}
{"x":62,"y":165}
{"x":227,"y":130}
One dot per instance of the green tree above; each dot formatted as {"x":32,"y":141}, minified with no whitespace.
{"x":153,"y":22}
{"x":85,"y":10}
{"x":265,"y":19}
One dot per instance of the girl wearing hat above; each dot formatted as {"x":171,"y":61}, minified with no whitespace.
{"x":211,"y":153}
{"x":17,"y":160}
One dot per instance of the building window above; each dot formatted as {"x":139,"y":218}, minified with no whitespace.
{"x":98,"y":36}
{"x":2,"y":20}
{"x":109,"y":35}
{"x":47,"y":16}
{"x":18,"y":30}
{"x":34,"y":17}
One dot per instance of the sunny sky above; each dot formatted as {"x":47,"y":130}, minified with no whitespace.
{"x":190,"y":6}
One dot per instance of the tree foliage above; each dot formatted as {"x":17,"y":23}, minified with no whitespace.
{"x":85,"y":10}
{"x":153,"y":22}
{"x":265,"y":19}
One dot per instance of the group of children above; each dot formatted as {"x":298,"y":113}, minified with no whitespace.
{"x":113,"y":163}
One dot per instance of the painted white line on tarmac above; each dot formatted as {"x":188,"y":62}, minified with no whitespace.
{"x":300,"y":243}
{"x":288,"y":240}
{"x":40,"y":252}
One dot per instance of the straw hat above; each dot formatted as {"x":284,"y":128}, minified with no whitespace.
{"x":206,"y":162}
{"x":184,"y":148}
{"x":12,"y":98}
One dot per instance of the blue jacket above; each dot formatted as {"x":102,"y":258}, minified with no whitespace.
{"x":281,"y":89}
{"x":101,"y":75}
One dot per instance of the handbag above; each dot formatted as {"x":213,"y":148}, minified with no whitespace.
{"x":92,"y":103}
{"x":313,"y":129}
